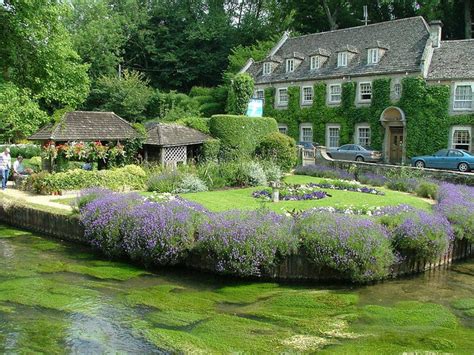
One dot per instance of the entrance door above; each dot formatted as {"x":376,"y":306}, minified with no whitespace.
{"x":396,"y":145}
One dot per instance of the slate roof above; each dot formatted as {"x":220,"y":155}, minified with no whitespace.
{"x":87,"y":126}
{"x":404,"y":38}
{"x":168,"y":135}
{"x":453,"y":60}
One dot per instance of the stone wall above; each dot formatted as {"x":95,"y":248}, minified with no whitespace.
{"x":294,"y":267}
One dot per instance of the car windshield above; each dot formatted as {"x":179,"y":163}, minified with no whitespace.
{"x":468,"y":153}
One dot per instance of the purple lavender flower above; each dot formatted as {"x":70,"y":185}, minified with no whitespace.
{"x":324,"y":171}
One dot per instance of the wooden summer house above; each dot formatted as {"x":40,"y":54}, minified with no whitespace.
{"x":172,"y":144}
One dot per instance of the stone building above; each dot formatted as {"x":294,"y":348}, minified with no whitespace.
{"x":395,"y":50}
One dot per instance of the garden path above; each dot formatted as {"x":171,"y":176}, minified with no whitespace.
{"x":44,"y":200}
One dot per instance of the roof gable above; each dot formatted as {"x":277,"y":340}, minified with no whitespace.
{"x":168,"y":135}
{"x":405,"y":38}
{"x":453,"y":60}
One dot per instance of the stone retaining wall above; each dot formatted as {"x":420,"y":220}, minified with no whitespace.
{"x":294,"y":267}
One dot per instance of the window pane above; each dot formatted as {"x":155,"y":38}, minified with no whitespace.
{"x":307,"y":134}
{"x":364,"y":136}
{"x":462,"y":139}
{"x":307,"y":94}
{"x":365,"y":90}
{"x":283,"y":96}
{"x":335,"y":93}
{"x":463,"y":97}
{"x":398,"y":90}
{"x":333,"y":137}
{"x":283,"y":129}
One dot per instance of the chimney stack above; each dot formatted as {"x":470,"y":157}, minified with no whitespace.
{"x":435,"y":33}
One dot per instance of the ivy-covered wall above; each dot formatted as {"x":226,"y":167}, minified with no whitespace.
{"x":425,"y":107}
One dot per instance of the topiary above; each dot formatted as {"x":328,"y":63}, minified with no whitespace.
{"x":279,"y":148}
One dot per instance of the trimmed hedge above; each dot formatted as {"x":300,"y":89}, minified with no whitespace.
{"x":240,"y":135}
{"x":280,"y":149}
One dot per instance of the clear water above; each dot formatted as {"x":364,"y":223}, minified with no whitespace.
{"x":60,"y":298}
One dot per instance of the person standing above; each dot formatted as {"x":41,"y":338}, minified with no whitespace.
{"x":5,"y":165}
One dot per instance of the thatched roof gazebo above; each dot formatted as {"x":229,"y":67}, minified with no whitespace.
{"x":87,"y":126}
{"x":171,"y":144}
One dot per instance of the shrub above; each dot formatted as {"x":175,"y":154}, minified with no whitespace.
{"x":427,"y":189}
{"x":130,"y":177}
{"x":272,"y":171}
{"x":105,"y":218}
{"x":246,"y":242}
{"x":190,"y":183}
{"x":89,"y":195}
{"x":279,"y":148}
{"x":210,"y":150}
{"x":372,"y":179}
{"x":159,"y":233}
{"x":27,"y":151}
{"x":241,"y":90}
{"x":210,"y":173}
{"x":198,"y":123}
{"x":255,"y":175}
{"x":402,"y":184}
{"x":419,"y":234}
{"x":357,"y":247}
{"x":165,"y":181}
{"x":324,"y":171}
{"x":240,"y":135}
{"x":456,"y":203}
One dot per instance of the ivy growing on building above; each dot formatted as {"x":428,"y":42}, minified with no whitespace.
{"x":426,"y":109}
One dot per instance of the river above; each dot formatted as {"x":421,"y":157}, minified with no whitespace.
{"x":57,"y":297}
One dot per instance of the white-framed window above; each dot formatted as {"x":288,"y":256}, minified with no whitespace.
{"x":307,"y":95}
{"x":259,"y":94}
{"x":282,"y":128}
{"x":463,"y":97}
{"x":365,"y":91}
{"x":461,"y":137}
{"x":342,"y":59}
{"x":306,"y":132}
{"x":363,"y":135}
{"x":397,"y":90}
{"x":333,"y":133}
{"x":282,"y":96}
{"x":315,"y":62}
{"x":267,"y":68}
{"x":290,"y":65}
{"x":335,"y":92}
{"x":373,"y":56}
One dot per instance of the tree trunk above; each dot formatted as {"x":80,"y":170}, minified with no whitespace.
{"x":467,"y":18}
{"x":331,"y":17}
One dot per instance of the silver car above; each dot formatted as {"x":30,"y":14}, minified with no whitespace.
{"x":355,"y":152}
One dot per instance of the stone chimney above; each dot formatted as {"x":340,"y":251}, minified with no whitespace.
{"x":435,"y":33}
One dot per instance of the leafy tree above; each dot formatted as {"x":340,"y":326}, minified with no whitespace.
{"x":127,"y":96}
{"x":241,"y":90}
{"x":37,"y":53}
{"x":20,"y":115}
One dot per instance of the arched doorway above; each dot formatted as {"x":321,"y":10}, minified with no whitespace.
{"x":394,"y":148}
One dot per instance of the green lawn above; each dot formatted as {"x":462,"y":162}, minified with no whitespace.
{"x":242,"y":198}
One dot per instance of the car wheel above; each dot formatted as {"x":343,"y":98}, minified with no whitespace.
{"x":463,"y":167}
{"x":359,"y":158}
{"x":420,"y":164}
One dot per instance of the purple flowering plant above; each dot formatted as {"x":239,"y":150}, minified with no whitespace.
{"x":456,"y":203}
{"x":324,"y":171}
{"x":355,"y":246}
{"x":246,"y":243}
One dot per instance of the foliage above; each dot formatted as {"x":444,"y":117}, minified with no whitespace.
{"x":212,"y":101}
{"x":190,"y":183}
{"x":324,"y":171}
{"x":418,"y":234}
{"x":254,"y":174}
{"x":240,"y":135}
{"x":279,"y":148}
{"x":241,"y":90}
{"x":164,"y":181}
{"x":372,"y":179}
{"x":172,"y":106}
{"x":128,"y":96}
{"x":210,"y":150}
{"x":456,"y":203}
{"x":403,"y":184}
{"x":27,"y":151}
{"x":199,"y":123}
{"x":20,"y":114}
{"x":352,"y":245}
{"x":246,"y":243}
{"x":129,"y":177}
{"x":427,"y":189}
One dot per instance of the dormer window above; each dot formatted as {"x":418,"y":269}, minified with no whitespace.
{"x":267,"y":68}
{"x":315,"y":62}
{"x":373,"y":56}
{"x":290,"y":65}
{"x":342,"y":59}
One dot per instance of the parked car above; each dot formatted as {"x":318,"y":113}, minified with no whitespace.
{"x":308,"y":145}
{"x":452,"y":159}
{"x":355,"y":152}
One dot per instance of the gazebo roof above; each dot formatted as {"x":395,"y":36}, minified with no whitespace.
{"x":169,"y":135}
{"x":87,"y":126}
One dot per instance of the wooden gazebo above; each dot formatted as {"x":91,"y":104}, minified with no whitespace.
{"x":172,"y":144}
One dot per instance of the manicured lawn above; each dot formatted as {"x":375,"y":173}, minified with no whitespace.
{"x":242,"y":198}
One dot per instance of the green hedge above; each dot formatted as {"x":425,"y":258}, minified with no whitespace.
{"x":280,"y":149}
{"x":240,"y":135}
